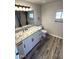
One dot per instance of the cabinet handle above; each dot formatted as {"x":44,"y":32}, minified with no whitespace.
{"x":17,"y":53}
{"x":24,"y":46}
{"x":32,"y":39}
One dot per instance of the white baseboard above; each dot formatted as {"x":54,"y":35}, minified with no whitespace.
{"x":56,"y":36}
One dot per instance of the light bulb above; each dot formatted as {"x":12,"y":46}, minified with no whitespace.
{"x":26,"y":9}
{"x":30,"y":9}
{"x":20,"y":8}
{"x":16,"y":8}
{"x":23,"y":9}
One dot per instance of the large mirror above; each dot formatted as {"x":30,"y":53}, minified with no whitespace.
{"x":23,"y":18}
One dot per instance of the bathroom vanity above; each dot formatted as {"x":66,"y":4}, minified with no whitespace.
{"x":27,"y":38}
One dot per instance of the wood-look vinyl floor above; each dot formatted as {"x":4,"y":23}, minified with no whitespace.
{"x":50,"y":48}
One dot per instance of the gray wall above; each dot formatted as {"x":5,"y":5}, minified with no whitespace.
{"x":48,"y":13}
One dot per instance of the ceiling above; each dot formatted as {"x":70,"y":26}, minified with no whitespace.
{"x":38,"y":1}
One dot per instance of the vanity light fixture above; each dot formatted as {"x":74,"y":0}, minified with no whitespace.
{"x":21,"y":8}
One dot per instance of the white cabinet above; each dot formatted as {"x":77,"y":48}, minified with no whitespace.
{"x":28,"y":43}
{"x":31,"y":41}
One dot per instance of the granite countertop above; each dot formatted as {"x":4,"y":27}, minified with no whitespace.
{"x":26,"y":33}
{"x":21,"y":28}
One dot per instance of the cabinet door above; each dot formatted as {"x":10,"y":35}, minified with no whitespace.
{"x":33,"y":41}
{"x":25,"y":46}
{"x":20,"y":47}
{"x":36,"y":38}
{"x":28,"y":44}
{"x":16,"y":54}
